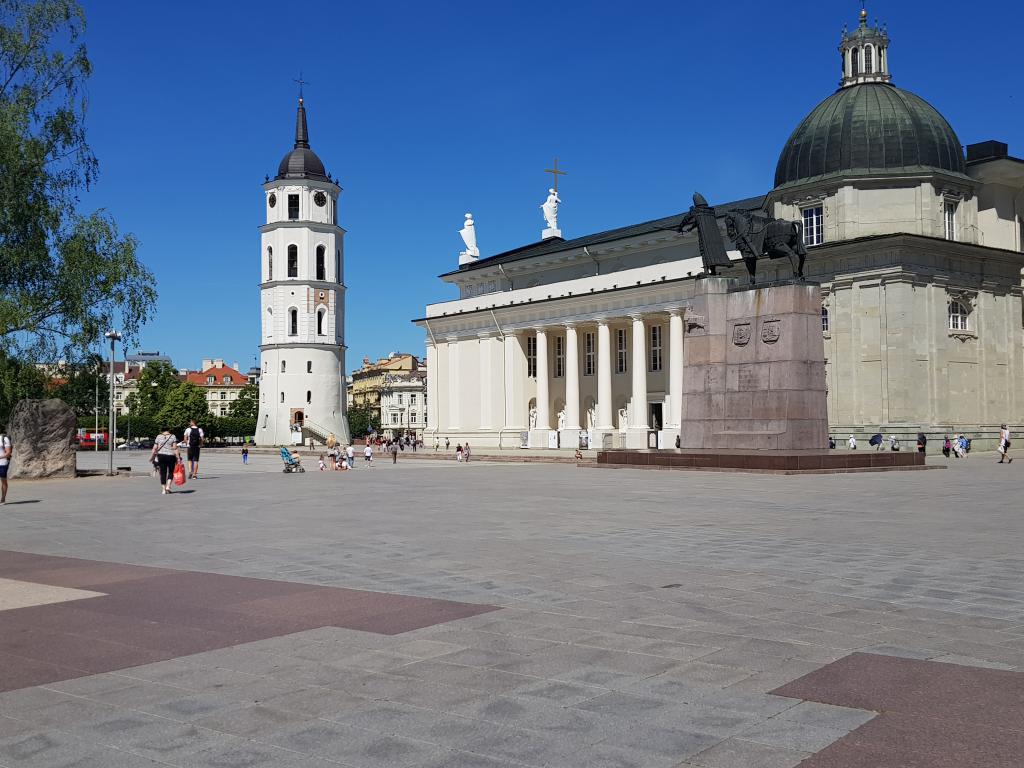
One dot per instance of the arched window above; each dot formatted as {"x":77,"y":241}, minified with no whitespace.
{"x":320,"y":322}
{"x":293,"y":261}
{"x":293,"y":322}
{"x":282,"y":397}
{"x":881,"y":60}
{"x":869,"y":64}
{"x":337,"y":266}
{"x":855,"y":61}
{"x":321,"y":269}
{"x":309,"y":397}
{"x":824,"y":319}
{"x":957,"y":316}
{"x":270,"y":263}
{"x":264,"y":366}
{"x":270,"y":321}
{"x":282,"y":366}
{"x":309,"y":366}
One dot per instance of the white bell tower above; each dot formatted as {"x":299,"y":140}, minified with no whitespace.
{"x":302,"y":301}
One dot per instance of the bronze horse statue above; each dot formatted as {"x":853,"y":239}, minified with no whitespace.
{"x":759,"y":236}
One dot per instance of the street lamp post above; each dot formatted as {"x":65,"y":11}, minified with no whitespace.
{"x":114,"y":337}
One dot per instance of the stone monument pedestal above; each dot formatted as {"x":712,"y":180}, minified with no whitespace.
{"x":754,"y":372}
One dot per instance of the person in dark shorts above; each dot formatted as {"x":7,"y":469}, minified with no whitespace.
{"x":194,"y":441}
{"x":6,"y":451}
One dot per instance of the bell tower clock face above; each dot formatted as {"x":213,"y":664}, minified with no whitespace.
{"x":320,"y":199}
{"x":272,"y":200}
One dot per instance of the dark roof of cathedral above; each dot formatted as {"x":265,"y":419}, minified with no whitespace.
{"x":869,"y":129}
{"x":556,"y":244}
{"x":301,"y":162}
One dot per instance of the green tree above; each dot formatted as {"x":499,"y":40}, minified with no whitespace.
{"x":184,"y":401}
{"x":246,"y":406}
{"x":155,"y":383}
{"x":18,"y":380}
{"x":362,"y":419}
{"x":80,"y":384}
{"x":65,"y":277}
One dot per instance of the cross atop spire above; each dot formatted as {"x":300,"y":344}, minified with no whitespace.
{"x":301,"y":83}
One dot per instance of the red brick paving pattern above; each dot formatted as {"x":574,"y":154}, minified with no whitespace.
{"x":932,"y":715}
{"x":153,"y":614}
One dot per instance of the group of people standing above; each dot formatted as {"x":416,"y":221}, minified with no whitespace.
{"x":959,"y":445}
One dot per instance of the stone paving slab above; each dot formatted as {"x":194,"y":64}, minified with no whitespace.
{"x":644,"y":619}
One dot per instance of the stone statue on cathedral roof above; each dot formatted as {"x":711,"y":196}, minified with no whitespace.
{"x":550,"y":209}
{"x":468,"y":233}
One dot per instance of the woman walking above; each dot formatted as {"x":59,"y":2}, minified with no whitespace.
{"x":166,"y":456}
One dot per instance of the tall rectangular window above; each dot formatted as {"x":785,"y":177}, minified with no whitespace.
{"x":412,"y":399}
{"x":293,"y":261}
{"x":620,"y":350}
{"x":293,"y":207}
{"x":814,"y":225}
{"x":949,"y":219}
{"x":531,"y":356}
{"x":655,"y":348}
{"x":559,"y":356}
{"x":588,"y":354}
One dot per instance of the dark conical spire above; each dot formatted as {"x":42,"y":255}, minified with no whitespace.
{"x":301,"y":131}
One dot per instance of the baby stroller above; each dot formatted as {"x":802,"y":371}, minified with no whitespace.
{"x":291,"y":463}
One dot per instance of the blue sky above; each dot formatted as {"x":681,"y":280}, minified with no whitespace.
{"x":425,"y":111}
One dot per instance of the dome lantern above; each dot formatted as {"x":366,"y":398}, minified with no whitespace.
{"x":865,"y":54}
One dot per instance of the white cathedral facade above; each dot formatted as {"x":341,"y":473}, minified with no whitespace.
{"x":917,"y":246}
{"x":302,"y":301}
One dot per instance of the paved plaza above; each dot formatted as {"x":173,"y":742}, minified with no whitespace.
{"x":486,"y":615}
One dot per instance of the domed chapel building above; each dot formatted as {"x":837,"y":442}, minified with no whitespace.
{"x":916,"y":244}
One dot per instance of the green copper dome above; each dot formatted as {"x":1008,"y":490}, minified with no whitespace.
{"x":871,"y":128}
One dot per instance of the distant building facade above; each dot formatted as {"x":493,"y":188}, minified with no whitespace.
{"x":221,"y":383}
{"x":369,"y":382}
{"x":403,"y":404}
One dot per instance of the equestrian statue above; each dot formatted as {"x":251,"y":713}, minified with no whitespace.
{"x":755,"y":235}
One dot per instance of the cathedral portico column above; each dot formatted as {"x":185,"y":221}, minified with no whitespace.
{"x":515,"y":380}
{"x":639,"y":420}
{"x":432,"y":404}
{"x":453,"y":382}
{"x":485,"y":369}
{"x":572,"y":378}
{"x":675,"y":368}
{"x":543,"y":391}
{"x":604,"y":377}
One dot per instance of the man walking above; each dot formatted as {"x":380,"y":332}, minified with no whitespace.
{"x":6,"y":451}
{"x":194,"y":441}
{"x":350,"y":456}
{"x":394,"y":451}
{"x":1004,"y":445}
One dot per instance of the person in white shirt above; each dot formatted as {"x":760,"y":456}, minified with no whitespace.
{"x":1004,"y":444}
{"x":6,"y":451}
{"x":350,"y":456}
{"x":852,"y":442}
{"x":368,"y":454}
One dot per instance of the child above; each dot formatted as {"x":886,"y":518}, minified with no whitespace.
{"x":323,"y":464}
{"x":245,"y":454}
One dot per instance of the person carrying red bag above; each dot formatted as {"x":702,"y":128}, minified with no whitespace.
{"x":167,"y":459}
